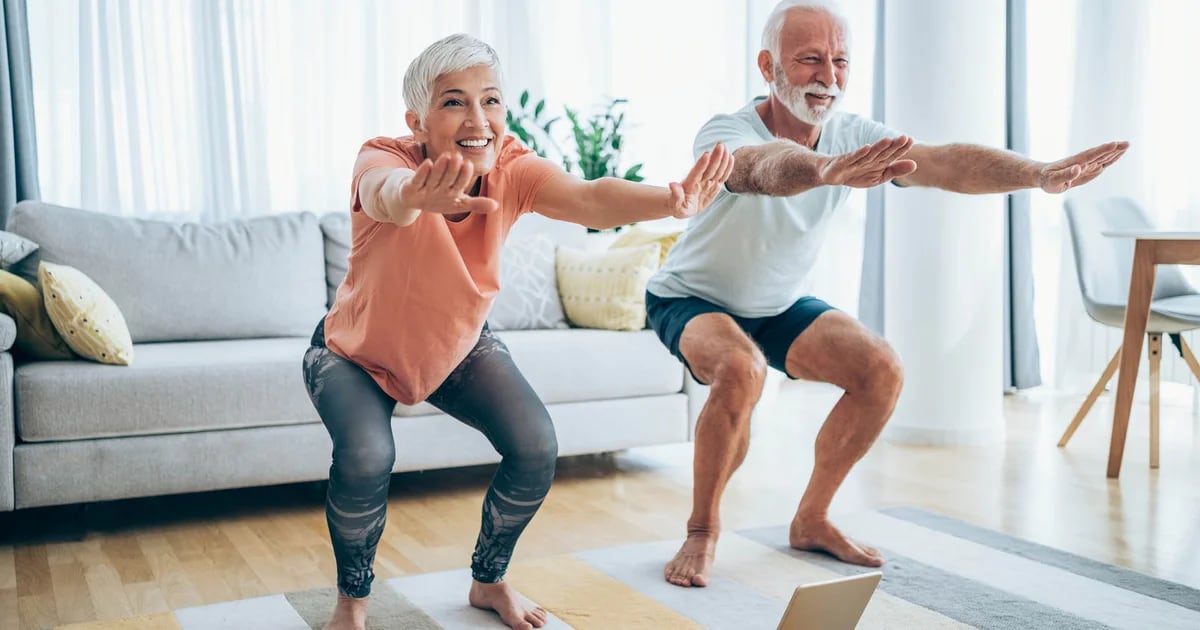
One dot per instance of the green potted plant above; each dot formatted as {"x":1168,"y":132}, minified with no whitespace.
{"x":533,"y":129}
{"x":596,"y":139}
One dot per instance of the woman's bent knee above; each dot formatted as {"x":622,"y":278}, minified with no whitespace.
{"x":538,"y":452}
{"x":535,"y":445}
{"x":365,"y":462}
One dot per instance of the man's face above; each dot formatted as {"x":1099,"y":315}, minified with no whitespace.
{"x":812,"y":65}
{"x":465,"y":117}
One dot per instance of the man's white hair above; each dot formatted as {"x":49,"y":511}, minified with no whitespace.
{"x":773,"y":30}
{"x":450,"y":54}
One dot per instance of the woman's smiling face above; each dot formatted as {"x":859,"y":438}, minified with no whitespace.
{"x":466,"y":116}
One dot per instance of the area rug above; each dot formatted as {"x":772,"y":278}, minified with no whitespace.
{"x":941,"y":573}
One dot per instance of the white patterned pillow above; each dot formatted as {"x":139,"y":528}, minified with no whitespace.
{"x":85,"y":316}
{"x":528,"y":298}
{"x":607,"y":289}
{"x":14,"y":248}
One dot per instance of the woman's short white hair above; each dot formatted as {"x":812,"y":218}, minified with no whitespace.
{"x":450,"y":54}
{"x":773,"y":30}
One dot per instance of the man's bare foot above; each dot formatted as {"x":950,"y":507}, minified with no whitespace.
{"x":693,"y":562}
{"x":514,"y":609}
{"x":349,"y":614}
{"x":818,"y":534}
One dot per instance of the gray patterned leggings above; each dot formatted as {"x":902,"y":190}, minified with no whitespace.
{"x":486,"y":392}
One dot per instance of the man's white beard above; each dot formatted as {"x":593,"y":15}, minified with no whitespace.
{"x":792,"y":96}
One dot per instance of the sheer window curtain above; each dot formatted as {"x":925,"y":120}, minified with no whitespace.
{"x":1088,"y":91}
{"x":838,"y":274}
{"x":18,"y":146}
{"x":214,"y":109}
{"x":1021,"y":347}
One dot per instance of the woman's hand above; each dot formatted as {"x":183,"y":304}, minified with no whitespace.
{"x":440,"y":187}
{"x":702,"y":183}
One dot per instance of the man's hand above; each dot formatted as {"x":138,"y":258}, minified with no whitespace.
{"x":702,"y":184}
{"x":440,"y":187}
{"x":1079,"y":169}
{"x":870,"y":165}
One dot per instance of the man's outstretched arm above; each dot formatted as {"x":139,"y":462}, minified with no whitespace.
{"x":977,"y":169}
{"x":783,"y":168}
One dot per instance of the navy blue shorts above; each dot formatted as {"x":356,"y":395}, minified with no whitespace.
{"x":774,"y":335}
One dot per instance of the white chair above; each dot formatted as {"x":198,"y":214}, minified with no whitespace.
{"x":1103,"y":265}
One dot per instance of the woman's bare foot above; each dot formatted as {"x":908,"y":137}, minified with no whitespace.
{"x":693,"y":561}
{"x":349,"y":614}
{"x":514,"y":609}
{"x":818,"y":534}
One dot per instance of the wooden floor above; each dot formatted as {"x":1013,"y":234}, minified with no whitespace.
{"x":64,"y":565}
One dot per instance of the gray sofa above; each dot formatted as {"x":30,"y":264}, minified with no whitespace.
{"x":220,"y":316}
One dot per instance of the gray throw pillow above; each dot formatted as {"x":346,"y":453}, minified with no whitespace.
{"x":528,"y":298}
{"x":336,"y":228}
{"x":14,"y":248}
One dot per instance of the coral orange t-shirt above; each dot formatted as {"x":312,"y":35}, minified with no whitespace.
{"x":415,"y":298}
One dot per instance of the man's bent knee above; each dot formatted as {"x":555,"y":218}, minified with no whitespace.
{"x":739,"y":378}
{"x":883,"y":376}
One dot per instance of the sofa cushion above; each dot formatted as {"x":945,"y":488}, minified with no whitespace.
{"x":636,"y":235}
{"x":606,"y":289}
{"x":196,"y":386}
{"x":88,"y":320}
{"x":171,"y":388}
{"x":14,"y":248}
{"x":528,"y":297}
{"x":580,"y":365}
{"x":260,"y":277}
{"x":336,"y":228}
{"x":36,"y":336}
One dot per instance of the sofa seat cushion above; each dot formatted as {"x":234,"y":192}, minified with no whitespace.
{"x":579,"y":365}
{"x":212,"y":385}
{"x":171,"y":388}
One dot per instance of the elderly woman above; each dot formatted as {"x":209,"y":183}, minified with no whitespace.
{"x":430,"y":212}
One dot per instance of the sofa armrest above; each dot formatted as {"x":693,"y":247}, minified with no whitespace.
{"x":8,"y":432}
{"x":8,"y":332}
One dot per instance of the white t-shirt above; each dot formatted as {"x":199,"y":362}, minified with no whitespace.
{"x":752,"y":254}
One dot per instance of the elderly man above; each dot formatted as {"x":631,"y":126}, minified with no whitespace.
{"x":731,"y":298}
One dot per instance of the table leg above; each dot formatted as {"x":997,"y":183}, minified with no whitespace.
{"x":1137,"y":314}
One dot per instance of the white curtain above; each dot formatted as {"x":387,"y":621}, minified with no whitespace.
{"x":1105,"y":70}
{"x":213,"y":109}
{"x":837,"y":275}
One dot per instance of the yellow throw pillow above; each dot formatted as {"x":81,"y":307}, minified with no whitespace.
{"x":88,"y":320}
{"x":635,"y":236}
{"x":606,"y":289}
{"x":36,"y":337}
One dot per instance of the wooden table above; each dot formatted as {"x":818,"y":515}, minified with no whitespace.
{"x":1152,"y":248}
